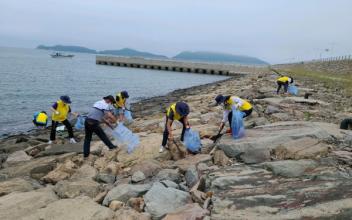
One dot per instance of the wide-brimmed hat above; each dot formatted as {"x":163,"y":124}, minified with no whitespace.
{"x":182,"y":108}
{"x":66,"y":99}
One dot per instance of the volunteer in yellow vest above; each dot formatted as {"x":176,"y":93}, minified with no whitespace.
{"x":177,"y":111}
{"x":120,"y":105}
{"x":232,"y":102}
{"x":60,"y":111}
{"x":283,"y":81}
{"x":40,"y":119}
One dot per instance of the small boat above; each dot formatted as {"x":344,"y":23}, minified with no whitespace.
{"x":60,"y":55}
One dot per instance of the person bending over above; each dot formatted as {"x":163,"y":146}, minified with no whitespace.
{"x":229,"y":103}
{"x":60,"y":111}
{"x":283,"y":81}
{"x":178,"y":111}
{"x":100,"y":112}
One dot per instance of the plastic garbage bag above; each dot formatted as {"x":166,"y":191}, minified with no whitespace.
{"x":237,"y":124}
{"x":293,"y":90}
{"x":80,"y":122}
{"x":124,"y":136}
{"x":192,"y":141}
{"x":128,"y":116}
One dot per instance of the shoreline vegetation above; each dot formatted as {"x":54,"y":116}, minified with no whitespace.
{"x":292,"y":163}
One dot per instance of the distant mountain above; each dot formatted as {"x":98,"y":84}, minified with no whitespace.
{"x":127,"y":52}
{"x":67,"y":48}
{"x":218,"y":57}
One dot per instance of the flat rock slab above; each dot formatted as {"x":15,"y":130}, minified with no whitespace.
{"x":269,"y":137}
{"x":62,"y":149}
{"x":303,"y":148}
{"x":245,"y":192}
{"x":19,"y":205}
{"x":17,"y":185}
{"x":277,"y":101}
{"x":73,"y":209}
{"x":190,"y":212}
{"x":290,"y":168}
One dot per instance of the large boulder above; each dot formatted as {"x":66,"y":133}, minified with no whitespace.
{"x":63,"y":171}
{"x":169,"y":174}
{"x":269,"y":137}
{"x":17,"y":185}
{"x":148,"y":167}
{"x":19,"y":205}
{"x":72,"y":189}
{"x":73,"y":209}
{"x":124,"y":192}
{"x":190,"y":212}
{"x":130,"y":214}
{"x":161,"y":200}
{"x":303,"y":148}
{"x":18,"y":156}
{"x":290,"y":168}
{"x":191,"y":176}
{"x":192,"y":160}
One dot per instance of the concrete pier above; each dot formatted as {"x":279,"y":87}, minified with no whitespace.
{"x":180,"y":66}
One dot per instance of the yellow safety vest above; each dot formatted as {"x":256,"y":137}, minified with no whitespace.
{"x":172,"y":108}
{"x":63,"y":110}
{"x":122,"y":101}
{"x":245,"y":106}
{"x":283,"y":79}
{"x":42,"y":118}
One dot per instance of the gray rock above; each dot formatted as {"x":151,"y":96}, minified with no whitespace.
{"x":17,"y":185}
{"x":290,"y":168}
{"x":40,"y":171}
{"x":191,"y":176}
{"x":270,"y":136}
{"x":138,"y":177}
{"x":18,"y":156}
{"x":77,"y":208}
{"x":169,"y":174}
{"x":161,"y":200}
{"x":169,"y":183}
{"x":18,"y":205}
{"x":61,"y":149}
{"x":148,"y":167}
{"x":105,"y":178}
{"x":124,"y":192}
{"x":71,"y":189}
{"x":253,"y":156}
{"x":270,"y":109}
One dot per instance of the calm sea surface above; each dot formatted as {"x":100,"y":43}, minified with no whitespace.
{"x":30,"y":81}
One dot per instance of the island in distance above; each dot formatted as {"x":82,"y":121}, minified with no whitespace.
{"x":200,"y":56}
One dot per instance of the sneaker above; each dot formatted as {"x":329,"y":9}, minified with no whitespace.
{"x":50,"y":142}
{"x":229,"y":131}
{"x":73,"y":141}
{"x":161,"y":149}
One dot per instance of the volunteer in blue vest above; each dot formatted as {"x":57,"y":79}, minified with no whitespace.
{"x":60,"y":111}
{"x":120,"y":105}
{"x":177,"y":111}
{"x":102,"y":111}
{"x":232,"y":102}
{"x":283,"y":81}
{"x":40,"y":119}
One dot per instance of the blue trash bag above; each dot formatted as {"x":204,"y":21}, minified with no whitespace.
{"x":124,"y":136}
{"x":237,"y":124}
{"x":192,"y":141}
{"x":128,"y":116}
{"x":293,"y":90}
{"x":80,"y":122}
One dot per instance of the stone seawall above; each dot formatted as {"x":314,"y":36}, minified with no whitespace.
{"x":180,"y":66}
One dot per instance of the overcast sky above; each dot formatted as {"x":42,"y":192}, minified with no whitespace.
{"x":274,"y":30}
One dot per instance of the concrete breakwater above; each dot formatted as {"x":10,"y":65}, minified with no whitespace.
{"x":180,"y":66}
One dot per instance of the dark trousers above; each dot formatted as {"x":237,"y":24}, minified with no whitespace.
{"x":346,"y":124}
{"x":247,"y":113}
{"x":53,"y":129}
{"x":166,"y":132}
{"x":92,"y":126}
{"x":280,"y":84}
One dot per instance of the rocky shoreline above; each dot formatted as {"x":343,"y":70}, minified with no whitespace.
{"x":293,"y":163}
